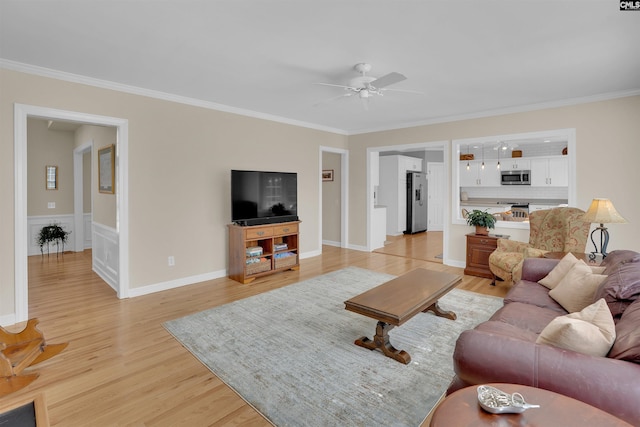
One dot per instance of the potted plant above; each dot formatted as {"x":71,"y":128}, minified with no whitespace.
{"x":483,"y":221}
{"x":52,"y":234}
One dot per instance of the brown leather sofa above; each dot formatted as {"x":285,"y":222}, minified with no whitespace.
{"x":504,"y":349}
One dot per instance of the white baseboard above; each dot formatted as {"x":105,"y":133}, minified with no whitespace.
{"x":359,"y":248}
{"x":331,"y":243}
{"x":454,"y":263}
{"x":8,"y":319}
{"x":177,"y":283}
{"x":310,"y":254}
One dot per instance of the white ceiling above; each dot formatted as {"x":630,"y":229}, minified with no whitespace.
{"x":261,"y":58}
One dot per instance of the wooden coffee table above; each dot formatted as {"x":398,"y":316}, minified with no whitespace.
{"x":398,"y":300}
{"x":461,"y":408}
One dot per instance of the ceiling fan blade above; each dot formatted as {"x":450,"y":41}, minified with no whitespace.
{"x":387,"y":79}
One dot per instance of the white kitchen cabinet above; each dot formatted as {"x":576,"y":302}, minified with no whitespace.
{"x":379,"y":227}
{"x":515,"y":164}
{"x":550,"y":172}
{"x":392,"y":191}
{"x":476,"y":176}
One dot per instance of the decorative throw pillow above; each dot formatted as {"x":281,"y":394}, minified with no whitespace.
{"x":577,"y":288}
{"x":554,"y":277}
{"x":590,"y":331}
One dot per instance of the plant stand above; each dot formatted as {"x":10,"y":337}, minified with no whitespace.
{"x":52,"y":234}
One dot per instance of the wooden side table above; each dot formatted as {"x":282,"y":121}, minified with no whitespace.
{"x":479,"y":248}
{"x":585,"y":257}
{"x":461,"y":409}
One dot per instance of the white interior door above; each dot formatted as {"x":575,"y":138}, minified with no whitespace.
{"x":437,"y":186}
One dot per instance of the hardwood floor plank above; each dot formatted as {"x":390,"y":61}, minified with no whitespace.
{"x":123,"y":368}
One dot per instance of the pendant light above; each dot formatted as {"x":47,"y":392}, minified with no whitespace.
{"x":482,"y":166}
{"x":499,"y":148}
{"x":468,"y":157}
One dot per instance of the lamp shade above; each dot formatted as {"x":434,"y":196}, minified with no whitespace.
{"x":602,"y":211}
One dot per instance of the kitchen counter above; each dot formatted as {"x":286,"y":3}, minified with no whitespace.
{"x":510,"y":201}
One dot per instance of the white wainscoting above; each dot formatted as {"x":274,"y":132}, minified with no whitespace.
{"x":106,"y":254}
{"x":35,"y":224}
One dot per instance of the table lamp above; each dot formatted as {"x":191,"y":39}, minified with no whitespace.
{"x":602,"y":212}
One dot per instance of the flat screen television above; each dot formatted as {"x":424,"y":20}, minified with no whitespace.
{"x":263,"y":197}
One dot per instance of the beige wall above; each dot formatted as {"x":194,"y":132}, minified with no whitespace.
{"x":607,"y":153}
{"x":179,"y":162}
{"x":331,"y":203}
{"x":104,"y":204}
{"x":48,"y":148}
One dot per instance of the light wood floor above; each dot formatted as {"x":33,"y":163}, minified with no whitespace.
{"x":123,"y":368}
{"x":426,"y":246}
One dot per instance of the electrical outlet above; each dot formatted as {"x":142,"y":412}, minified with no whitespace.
{"x":171,"y":261}
{"x":51,"y":205}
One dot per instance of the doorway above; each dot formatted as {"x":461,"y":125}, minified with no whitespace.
{"x":334,"y":189}
{"x":21,"y":244}
{"x":435,"y":158}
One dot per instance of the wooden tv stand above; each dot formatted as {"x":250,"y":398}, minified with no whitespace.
{"x":245,"y":266}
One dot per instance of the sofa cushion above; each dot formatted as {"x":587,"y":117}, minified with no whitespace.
{"x":621,"y":287}
{"x":627,"y":344}
{"x":577,"y":288}
{"x":532,"y":293}
{"x":589,"y":331}
{"x":616,"y":258}
{"x":526,"y":317}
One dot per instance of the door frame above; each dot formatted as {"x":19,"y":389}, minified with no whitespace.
{"x":344,"y":195}
{"x":21,"y":244}
{"x":78,"y":193}
{"x":446,"y":149}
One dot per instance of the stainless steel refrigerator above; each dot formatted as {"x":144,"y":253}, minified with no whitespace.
{"x":416,"y":202}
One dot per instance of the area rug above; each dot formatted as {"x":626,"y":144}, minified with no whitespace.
{"x":290,"y":353}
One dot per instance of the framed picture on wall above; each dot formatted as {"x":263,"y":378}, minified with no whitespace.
{"x":106,"y":169}
{"x":327,"y":174}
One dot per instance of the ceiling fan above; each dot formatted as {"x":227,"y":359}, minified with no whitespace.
{"x":365,"y":86}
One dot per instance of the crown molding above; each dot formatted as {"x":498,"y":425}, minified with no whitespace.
{"x":508,"y":110}
{"x":134,"y":90}
{"x":105,"y":84}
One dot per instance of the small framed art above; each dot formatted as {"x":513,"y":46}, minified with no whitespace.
{"x":327,"y":174}
{"x":107,"y":169}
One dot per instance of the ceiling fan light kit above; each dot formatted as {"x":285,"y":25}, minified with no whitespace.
{"x":365,"y":86}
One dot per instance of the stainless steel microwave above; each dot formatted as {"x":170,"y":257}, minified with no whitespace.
{"x":522,"y":177}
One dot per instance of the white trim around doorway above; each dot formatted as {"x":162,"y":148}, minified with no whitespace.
{"x":21,"y":113}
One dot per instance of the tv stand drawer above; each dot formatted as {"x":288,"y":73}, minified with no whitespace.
{"x":279,"y":230}
{"x":259,"y":232}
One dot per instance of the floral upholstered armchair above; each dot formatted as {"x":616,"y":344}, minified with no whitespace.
{"x":551,"y":230}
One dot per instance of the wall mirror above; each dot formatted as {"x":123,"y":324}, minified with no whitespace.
{"x":51,"y":176}
{"x":503,"y":174}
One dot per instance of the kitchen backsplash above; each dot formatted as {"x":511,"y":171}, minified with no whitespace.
{"x":517,"y":192}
